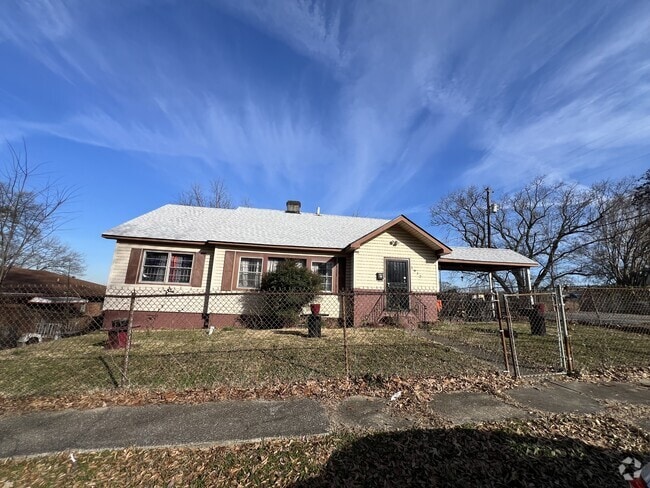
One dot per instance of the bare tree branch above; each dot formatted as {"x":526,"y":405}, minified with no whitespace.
{"x":550,"y":223}
{"x":29,"y":217}
{"x":216,"y":196}
{"x":620,"y":253}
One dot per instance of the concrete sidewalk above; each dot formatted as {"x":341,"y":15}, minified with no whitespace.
{"x":239,"y":421}
{"x":551,"y":396}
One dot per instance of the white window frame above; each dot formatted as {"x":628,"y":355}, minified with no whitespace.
{"x":240,"y":272}
{"x":329,"y":275}
{"x":167,"y":267}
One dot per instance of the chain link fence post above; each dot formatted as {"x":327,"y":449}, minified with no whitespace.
{"x":129,"y":336}
{"x":502,"y":334}
{"x":511,"y":337}
{"x":344,"y":299}
{"x":564,"y":330}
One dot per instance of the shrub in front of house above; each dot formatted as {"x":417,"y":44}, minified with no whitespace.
{"x":287,"y":290}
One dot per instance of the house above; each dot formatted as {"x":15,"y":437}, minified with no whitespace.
{"x":390,"y":265}
{"x":37,"y":305}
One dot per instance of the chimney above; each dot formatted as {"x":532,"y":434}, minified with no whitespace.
{"x":293,"y":206}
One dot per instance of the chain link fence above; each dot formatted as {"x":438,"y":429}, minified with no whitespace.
{"x":578,"y":328}
{"x":61,"y":341}
{"x":609,"y":327}
{"x":538,"y":338}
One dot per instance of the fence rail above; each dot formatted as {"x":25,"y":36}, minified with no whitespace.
{"x":60,"y":340}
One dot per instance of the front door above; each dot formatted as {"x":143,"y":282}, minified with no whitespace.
{"x":397,"y":284}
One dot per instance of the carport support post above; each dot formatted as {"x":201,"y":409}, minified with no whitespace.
{"x":129,"y":331}
{"x":529,"y":284}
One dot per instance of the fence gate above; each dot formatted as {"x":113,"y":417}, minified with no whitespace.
{"x":536,"y":328}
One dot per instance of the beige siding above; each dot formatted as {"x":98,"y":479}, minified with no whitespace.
{"x":121,"y":261}
{"x":217,"y":269}
{"x":220,"y":255}
{"x":230,"y":302}
{"x":369,"y":260}
{"x":237,"y":302}
{"x":117,"y":275}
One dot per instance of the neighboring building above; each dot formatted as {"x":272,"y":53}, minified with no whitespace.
{"x":37,"y":305}
{"x":183,"y":249}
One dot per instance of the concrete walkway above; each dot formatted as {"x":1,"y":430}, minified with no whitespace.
{"x":239,"y":421}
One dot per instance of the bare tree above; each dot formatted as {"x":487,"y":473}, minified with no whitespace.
{"x":53,"y":255}
{"x":642,"y":192}
{"x":246,"y":202}
{"x":621,"y":253}
{"x":30,"y":214}
{"x":547,"y":222}
{"x":216,"y":196}
{"x":464,"y":211}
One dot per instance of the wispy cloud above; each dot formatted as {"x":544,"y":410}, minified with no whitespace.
{"x":35,"y":20}
{"x":311,"y":28}
{"x":588,"y":114}
{"x":376,"y":94}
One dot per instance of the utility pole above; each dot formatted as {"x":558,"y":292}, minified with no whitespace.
{"x":490,"y":209}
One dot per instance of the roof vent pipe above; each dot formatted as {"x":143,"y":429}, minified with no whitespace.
{"x":317,"y":210}
{"x":293,"y":206}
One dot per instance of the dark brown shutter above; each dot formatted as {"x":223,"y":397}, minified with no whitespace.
{"x":228,"y":267}
{"x":341,"y":264}
{"x":133,"y":268}
{"x":197,"y":269}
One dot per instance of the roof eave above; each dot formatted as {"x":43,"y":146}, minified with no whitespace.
{"x":153,"y":239}
{"x":441,"y":248}
{"x":274,"y":246}
{"x":447,"y":264}
{"x":224,"y":243}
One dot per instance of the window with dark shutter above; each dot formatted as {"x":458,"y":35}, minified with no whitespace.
{"x":166,"y":267}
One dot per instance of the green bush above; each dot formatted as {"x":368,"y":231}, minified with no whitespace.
{"x":289,"y":288}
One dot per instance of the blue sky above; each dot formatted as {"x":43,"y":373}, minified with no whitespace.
{"x":376,"y":108}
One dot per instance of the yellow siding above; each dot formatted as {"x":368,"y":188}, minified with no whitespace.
{"x":369,"y":260}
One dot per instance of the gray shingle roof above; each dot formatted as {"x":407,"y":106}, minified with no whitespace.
{"x":278,"y":228}
{"x":246,"y":226}
{"x":487,"y":255}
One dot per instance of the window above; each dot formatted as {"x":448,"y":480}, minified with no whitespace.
{"x":325,"y":271}
{"x":250,"y":273}
{"x":155,"y":266}
{"x":273,"y":263}
{"x":180,"y":268}
{"x":166,"y":267}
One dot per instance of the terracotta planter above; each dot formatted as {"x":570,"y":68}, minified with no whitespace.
{"x":315,"y":308}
